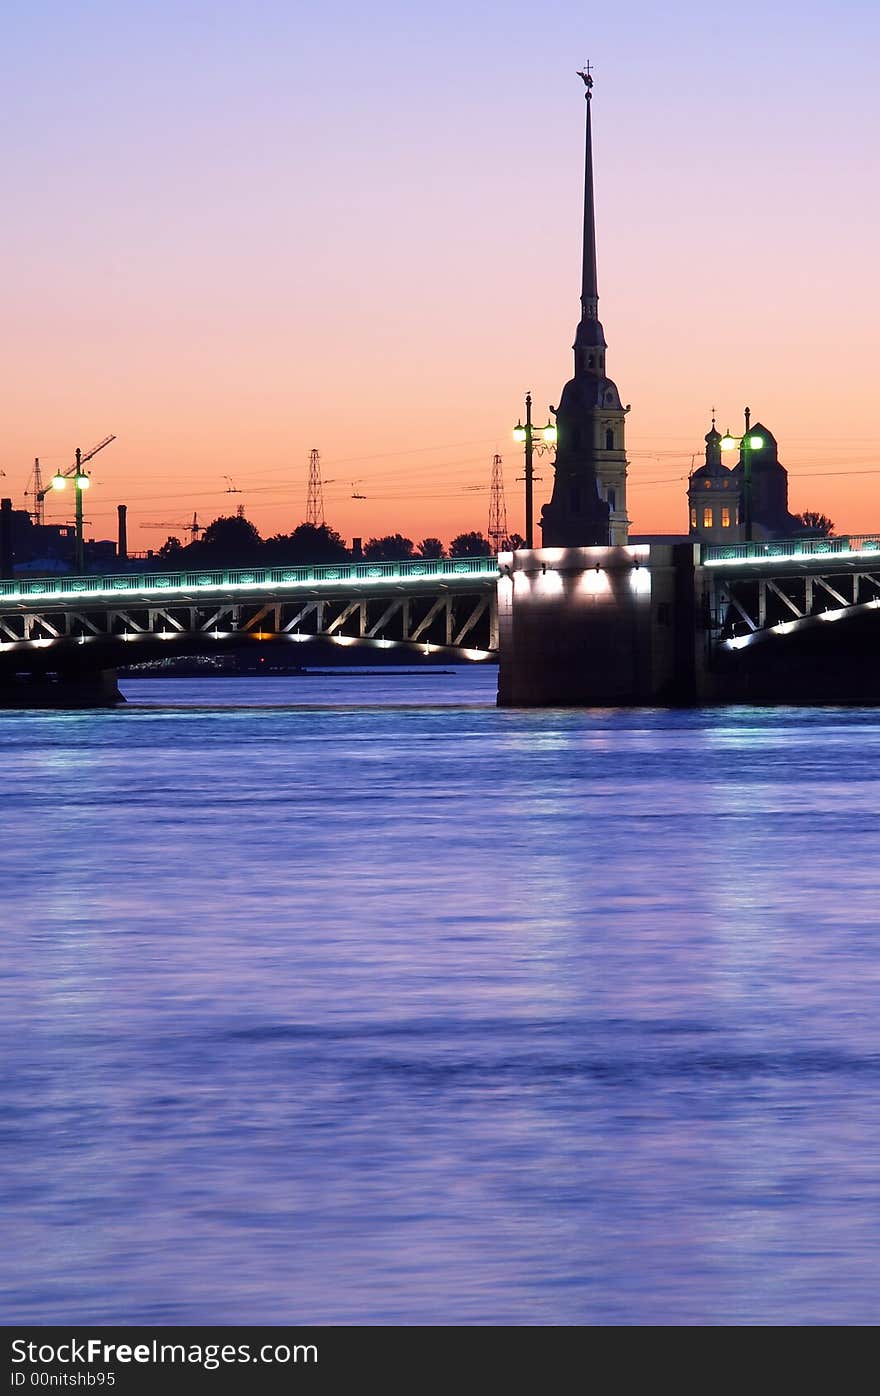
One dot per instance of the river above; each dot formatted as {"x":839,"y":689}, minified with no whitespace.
{"x":353,"y":999}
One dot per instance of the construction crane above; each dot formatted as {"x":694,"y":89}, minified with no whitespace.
{"x":193,"y":529}
{"x":41,"y":490}
{"x":80,"y":483}
{"x":81,"y":459}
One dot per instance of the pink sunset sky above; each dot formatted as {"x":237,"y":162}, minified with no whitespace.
{"x":234,"y":233}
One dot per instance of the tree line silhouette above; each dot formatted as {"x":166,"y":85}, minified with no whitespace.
{"x":233,"y":541}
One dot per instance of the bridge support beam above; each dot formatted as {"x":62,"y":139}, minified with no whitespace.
{"x":72,"y":689}
{"x":593,"y":627}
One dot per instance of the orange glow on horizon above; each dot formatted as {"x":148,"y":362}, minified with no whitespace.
{"x":285,"y":253}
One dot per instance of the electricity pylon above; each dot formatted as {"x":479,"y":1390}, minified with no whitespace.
{"x":315,"y":501}
{"x":497,"y":531}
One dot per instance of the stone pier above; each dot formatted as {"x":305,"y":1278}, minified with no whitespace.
{"x":600,"y":626}
{"x":95,"y":688}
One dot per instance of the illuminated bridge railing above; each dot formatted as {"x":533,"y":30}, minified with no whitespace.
{"x":854,"y":545}
{"x":130,"y":584}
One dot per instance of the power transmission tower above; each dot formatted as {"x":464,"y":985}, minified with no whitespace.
{"x":315,"y":502}
{"x":38,"y":494}
{"x":497,"y":508}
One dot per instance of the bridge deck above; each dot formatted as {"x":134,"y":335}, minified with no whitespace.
{"x":785,"y":588}
{"x":806,"y":552}
{"x":446,"y":605}
{"x":126,"y":586}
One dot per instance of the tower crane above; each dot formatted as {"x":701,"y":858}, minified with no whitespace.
{"x":193,"y":529}
{"x":40,"y":490}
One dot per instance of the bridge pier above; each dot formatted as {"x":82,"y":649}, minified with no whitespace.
{"x":669,"y":625}
{"x":601,"y":626}
{"x":71,"y":689}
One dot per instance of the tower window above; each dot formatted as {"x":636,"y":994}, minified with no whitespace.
{"x":693,"y":517}
{"x":725,"y":518}
{"x":609,"y":440}
{"x":707,"y":517}
{"x":611,"y":496}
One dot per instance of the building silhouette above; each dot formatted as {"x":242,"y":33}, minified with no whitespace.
{"x":716,"y":503}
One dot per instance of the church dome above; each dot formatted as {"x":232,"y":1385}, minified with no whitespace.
{"x":586,"y":392}
{"x":709,"y":471}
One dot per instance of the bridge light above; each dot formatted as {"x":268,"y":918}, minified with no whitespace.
{"x":519,"y":432}
{"x":756,"y":442}
{"x":550,"y":433}
{"x":81,"y":481}
{"x":58,"y":481}
{"x":728,"y":442}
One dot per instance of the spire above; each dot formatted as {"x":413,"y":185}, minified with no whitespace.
{"x":589,"y":280}
{"x":589,"y":342}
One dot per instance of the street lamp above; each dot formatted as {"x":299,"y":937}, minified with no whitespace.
{"x":749,"y":441}
{"x":80,"y":483}
{"x":527,"y":434}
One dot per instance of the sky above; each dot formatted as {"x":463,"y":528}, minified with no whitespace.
{"x":233,"y":233}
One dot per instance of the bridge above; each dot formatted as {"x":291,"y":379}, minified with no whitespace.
{"x":642,"y":623}
{"x":762,"y":591}
{"x":69,"y":630}
{"x":668,"y":623}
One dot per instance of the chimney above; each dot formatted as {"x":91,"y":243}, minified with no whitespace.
{"x":357,"y":548}
{"x":6,"y":559}
{"x":122,"y":544}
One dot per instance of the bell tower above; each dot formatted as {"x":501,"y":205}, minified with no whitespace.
{"x":588,"y":504}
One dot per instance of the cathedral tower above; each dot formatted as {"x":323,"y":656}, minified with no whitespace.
{"x":588,"y":504}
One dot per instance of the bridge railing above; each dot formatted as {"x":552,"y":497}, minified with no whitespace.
{"x":127,"y":583}
{"x":852,"y":545}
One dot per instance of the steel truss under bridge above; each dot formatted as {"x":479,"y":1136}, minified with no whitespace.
{"x":760,"y":590}
{"x":446,"y":607}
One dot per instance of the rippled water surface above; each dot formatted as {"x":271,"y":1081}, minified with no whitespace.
{"x":356,"y":1000}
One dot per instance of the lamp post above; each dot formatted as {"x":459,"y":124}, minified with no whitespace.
{"x":749,"y":442}
{"x":80,"y":482}
{"x":526,"y":433}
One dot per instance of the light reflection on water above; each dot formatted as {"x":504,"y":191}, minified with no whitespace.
{"x":323,"y":1005}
